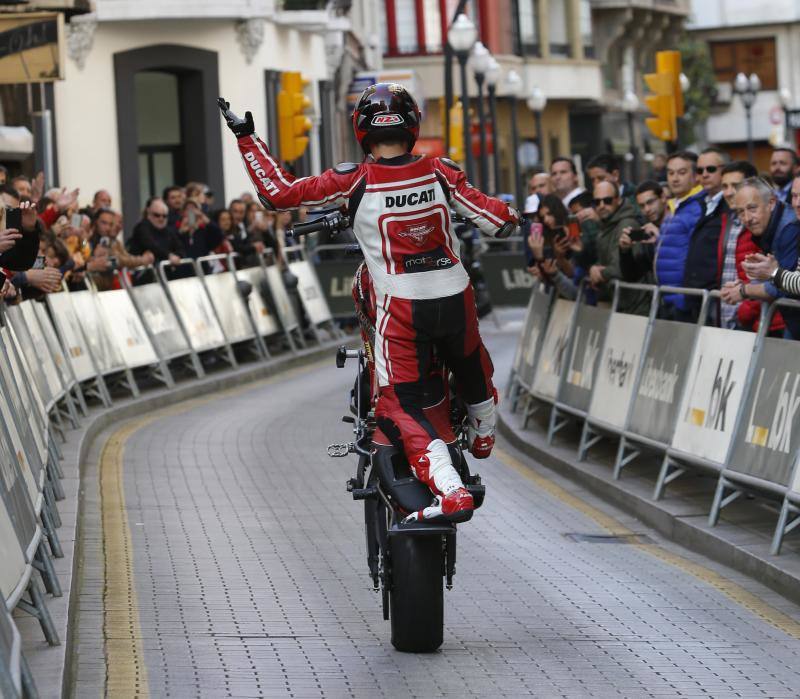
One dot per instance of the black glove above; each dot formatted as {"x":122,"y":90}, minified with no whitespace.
{"x":240,"y":127}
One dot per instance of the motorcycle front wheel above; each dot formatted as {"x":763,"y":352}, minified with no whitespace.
{"x":417,"y":595}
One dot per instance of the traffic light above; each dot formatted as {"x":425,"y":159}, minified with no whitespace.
{"x":666,"y":104}
{"x":456,"y":132}
{"x":293,"y":124}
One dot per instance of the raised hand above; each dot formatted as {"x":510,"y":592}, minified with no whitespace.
{"x":29,"y":215}
{"x":240,"y":127}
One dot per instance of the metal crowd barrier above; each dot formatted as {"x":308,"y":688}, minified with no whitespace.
{"x":707,"y":399}
{"x":506,"y":278}
{"x":312,"y":297}
{"x":88,"y":345}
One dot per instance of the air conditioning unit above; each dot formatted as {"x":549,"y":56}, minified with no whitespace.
{"x":724,"y":93}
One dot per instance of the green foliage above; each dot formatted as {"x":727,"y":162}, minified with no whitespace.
{"x":697,"y":66}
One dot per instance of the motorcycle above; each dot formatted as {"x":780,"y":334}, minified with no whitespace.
{"x":410,"y":560}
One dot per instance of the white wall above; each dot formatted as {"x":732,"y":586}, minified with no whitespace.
{"x":85,"y":101}
{"x":732,"y":13}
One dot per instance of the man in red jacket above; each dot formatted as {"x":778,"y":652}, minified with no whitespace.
{"x":399,"y":207}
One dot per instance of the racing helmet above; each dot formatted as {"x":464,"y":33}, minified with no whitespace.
{"x":386,"y":112}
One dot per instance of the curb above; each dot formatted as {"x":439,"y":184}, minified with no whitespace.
{"x":667,"y":517}
{"x":100,"y":419}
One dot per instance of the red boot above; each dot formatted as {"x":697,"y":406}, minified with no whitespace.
{"x":435,"y":469}
{"x":480,"y":427}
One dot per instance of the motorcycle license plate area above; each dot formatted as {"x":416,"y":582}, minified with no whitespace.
{"x":422,"y":528}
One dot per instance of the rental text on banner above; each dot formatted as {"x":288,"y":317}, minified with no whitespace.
{"x":616,"y":373}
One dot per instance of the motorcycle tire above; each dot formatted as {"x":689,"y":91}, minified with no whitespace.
{"x":417,"y":594}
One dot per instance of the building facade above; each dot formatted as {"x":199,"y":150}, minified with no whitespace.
{"x":760,"y":38}
{"x":137,"y":111}
{"x":548,"y":42}
{"x":627,"y":34}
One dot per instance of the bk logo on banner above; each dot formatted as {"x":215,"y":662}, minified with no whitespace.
{"x":711,"y":412}
{"x":778,"y":436}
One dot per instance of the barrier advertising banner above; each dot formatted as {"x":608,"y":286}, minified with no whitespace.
{"x":11,"y":548}
{"x":584,"y":357}
{"x":20,"y":437}
{"x":507,"y":279}
{"x":43,"y":369}
{"x":535,"y":323}
{"x":283,"y":304}
{"x":714,"y":389}
{"x":523,"y":336}
{"x":69,"y":329}
{"x":666,"y":366}
{"x":310,"y":292}
{"x":554,"y":351}
{"x":616,"y":371}
{"x":228,"y":303}
{"x":266,"y":324}
{"x":196,"y":313}
{"x":126,"y":329}
{"x":767,"y":440}
{"x":10,"y":649}
{"x":336,"y":280}
{"x":104,"y":351}
{"x":63,"y":366}
{"x":30,"y":422}
{"x":160,"y":319}
{"x":15,"y":489}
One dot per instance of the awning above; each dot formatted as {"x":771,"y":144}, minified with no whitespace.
{"x":16,"y":143}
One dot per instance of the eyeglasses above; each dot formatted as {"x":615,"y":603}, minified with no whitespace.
{"x":154,"y":215}
{"x":608,"y":201}
{"x":711,"y":169}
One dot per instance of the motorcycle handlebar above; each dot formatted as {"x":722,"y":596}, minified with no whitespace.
{"x":330,"y":223}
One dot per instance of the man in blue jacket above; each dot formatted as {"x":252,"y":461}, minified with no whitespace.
{"x":776,"y":231}
{"x":686,"y":208}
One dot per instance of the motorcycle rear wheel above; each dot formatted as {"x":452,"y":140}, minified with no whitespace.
{"x":417,"y":595}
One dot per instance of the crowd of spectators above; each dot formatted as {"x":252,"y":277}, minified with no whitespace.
{"x":74,"y":246}
{"x":702,"y":222}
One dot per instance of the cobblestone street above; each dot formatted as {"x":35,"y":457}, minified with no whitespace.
{"x":249,"y":576}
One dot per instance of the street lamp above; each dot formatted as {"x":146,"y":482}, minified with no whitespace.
{"x":480,"y":64}
{"x":787,"y":104}
{"x":630,"y":105}
{"x":514,"y":88}
{"x":493,"y":74}
{"x":461,"y":37}
{"x":536,"y":103}
{"x":747,"y":88}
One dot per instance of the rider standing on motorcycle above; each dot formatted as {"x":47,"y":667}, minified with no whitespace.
{"x":399,"y":208}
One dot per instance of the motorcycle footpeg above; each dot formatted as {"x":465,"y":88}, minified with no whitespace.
{"x":343,"y":354}
{"x":367,"y":493}
{"x":337,"y":451}
{"x":341,"y":357}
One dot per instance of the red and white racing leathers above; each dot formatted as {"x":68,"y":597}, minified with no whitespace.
{"x":400,"y":213}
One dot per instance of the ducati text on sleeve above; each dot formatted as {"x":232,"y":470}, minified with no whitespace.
{"x":259,"y":172}
{"x":399,"y":200}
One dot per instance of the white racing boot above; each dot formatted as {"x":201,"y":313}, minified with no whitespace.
{"x":435,"y":469}
{"x":481,"y":422}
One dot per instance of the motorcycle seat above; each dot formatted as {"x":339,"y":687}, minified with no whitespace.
{"x":400,"y":485}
